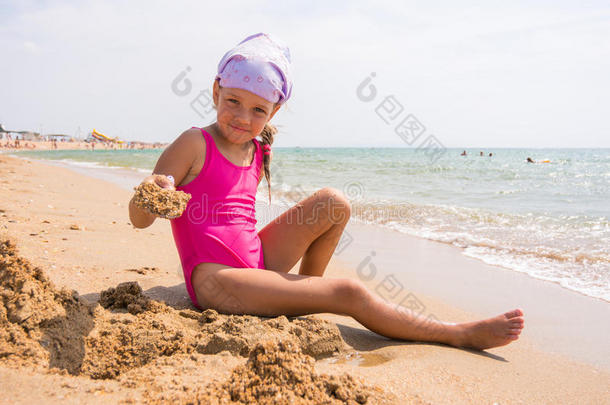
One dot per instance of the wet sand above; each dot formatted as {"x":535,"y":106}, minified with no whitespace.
{"x":76,"y":230}
{"x":558,"y":320}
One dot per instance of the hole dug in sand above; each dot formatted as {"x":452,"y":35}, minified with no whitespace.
{"x":54,"y":329}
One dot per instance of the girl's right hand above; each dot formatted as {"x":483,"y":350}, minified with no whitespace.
{"x":160,"y":180}
{"x":140,"y":217}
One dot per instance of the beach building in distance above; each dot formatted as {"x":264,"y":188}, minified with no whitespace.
{"x":6,"y":134}
{"x":11,"y":140}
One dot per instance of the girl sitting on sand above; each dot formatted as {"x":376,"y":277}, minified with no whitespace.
{"x":230,"y":267}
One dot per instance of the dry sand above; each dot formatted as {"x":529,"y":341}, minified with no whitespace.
{"x":94,"y":311}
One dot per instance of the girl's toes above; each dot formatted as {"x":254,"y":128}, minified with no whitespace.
{"x":517,"y":319}
{"x":515,"y":325}
{"x":513,"y":314}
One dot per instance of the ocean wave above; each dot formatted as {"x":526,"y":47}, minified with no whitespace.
{"x":592,"y":282}
{"x":572,"y":250}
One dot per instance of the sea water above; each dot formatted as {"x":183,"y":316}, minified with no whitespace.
{"x":549,"y":220}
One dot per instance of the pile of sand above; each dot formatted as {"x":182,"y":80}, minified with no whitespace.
{"x":163,"y":202}
{"x":39,"y":324}
{"x":58,"y":331}
{"x":127,"y":295}
{"x":275,"y":373}
{"x":279,"y":372}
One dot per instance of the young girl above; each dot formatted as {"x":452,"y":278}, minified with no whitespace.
{"x":230,"y":267}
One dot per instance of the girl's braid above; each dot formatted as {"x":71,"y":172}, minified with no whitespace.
{"x":267,"y":134}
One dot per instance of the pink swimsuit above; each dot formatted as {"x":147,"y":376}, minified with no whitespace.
{"x":218,"y":225}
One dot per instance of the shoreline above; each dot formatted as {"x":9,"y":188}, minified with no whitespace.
{"x":429,"y":261}
{"x":524,"y":245}
{"x":100,"y":254}
{"x":558,"y":320}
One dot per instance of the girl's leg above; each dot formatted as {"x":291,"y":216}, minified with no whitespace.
{"x":272,"y":293}
{"x":310,"y":230}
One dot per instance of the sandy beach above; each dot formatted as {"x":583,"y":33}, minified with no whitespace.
{"x":76,"y":230}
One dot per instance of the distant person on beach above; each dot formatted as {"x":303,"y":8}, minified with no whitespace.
{"x":463,"y":153}
{"x":232,"y":268}
{"x":490,"y":154}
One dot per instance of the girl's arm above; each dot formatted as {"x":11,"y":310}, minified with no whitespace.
{"x":176,"y":160}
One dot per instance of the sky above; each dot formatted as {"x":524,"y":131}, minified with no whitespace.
{"x":475,"y":74}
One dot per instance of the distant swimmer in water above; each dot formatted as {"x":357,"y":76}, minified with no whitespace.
{"x":481,"y":153}
{"x":463,"y":153}
{"x":490,"y":154}
{"x":529,"y":160}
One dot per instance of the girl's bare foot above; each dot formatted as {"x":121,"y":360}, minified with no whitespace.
{"x":492,"y":332}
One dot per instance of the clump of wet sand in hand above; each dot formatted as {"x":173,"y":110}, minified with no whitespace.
{"x":162,"y":202}
{"x":55,"y":329}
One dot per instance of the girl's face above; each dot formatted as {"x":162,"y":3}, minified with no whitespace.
{"x":241,"y":115}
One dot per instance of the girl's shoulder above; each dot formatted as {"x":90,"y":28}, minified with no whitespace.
{"x":195,"y":143}
{"x":184,"y":158}
{"x":188,"y":148}
{"x":192,"y":140}
{"x":193,"y":133}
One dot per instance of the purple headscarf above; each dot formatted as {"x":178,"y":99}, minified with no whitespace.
{"x":259,"y":64}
